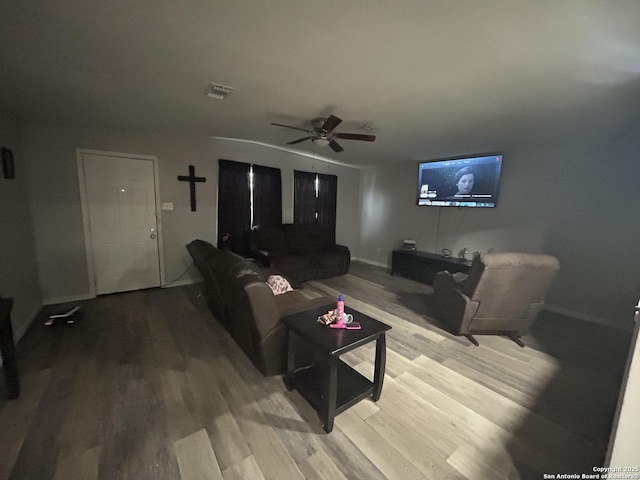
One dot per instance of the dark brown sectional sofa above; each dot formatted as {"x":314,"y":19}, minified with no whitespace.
{"x":245,"y":305}
{"x":302,"y":252}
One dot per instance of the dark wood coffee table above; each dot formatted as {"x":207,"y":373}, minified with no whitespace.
{"x":332,"y":386}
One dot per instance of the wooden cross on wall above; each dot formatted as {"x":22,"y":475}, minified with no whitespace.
{"x":192,"y":179}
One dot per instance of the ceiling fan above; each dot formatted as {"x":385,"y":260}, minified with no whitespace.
{"x":323,"y":135}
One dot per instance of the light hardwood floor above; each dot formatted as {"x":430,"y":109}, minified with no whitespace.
{"x":148,"y":385}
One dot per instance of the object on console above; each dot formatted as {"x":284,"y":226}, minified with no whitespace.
{"x":408,"y":244}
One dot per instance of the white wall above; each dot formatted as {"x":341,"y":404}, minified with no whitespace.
{"x":18,"y":271}
{"x":576,"y":199}
{"x":50,"y":153}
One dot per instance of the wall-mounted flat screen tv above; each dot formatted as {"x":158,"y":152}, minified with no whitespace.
{"x":460,"y":182}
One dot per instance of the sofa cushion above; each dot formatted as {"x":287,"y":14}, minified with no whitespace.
{"x":312,"y":252}
{"x":304,"y":238}
{"x":245,"y":267}
{"x":295,"y":302}
{"x":329,"y":259}
{"x":271,"y":238}
{"x":223,"y":263}
{"x":290,"y":263}
{"x":286,"y":300}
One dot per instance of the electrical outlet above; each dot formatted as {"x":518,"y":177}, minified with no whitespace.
{"x":167,"y":206}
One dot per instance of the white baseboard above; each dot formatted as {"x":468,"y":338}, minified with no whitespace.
{"x":371,"y":262}
{"x":179,"y":283}
{"x":590,"y":318}
{"x":70,"y":298}
{"x":88,"y":296}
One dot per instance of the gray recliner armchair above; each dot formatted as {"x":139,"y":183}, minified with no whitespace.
{"x":502,"y":295}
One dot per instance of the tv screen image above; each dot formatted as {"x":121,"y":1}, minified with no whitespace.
{"x":460,"y":182}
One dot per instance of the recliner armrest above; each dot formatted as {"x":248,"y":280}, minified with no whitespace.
{"x":452,"y":306}
{"x":444,"y":280}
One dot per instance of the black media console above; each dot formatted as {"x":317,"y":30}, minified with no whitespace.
{"x":423,"y":266}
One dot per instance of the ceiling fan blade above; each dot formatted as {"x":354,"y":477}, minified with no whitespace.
{"x":299,"y":140}
{"x":355,"y":136}
{"x":335,"y":146}
{"x":331,"y":123}
{"x":295,"y":128}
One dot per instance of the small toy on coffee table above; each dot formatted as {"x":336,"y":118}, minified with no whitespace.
{"x":331,"y":318}
{"x":328,"y":318}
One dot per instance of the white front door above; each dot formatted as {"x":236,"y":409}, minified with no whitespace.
{"x":121,"y":207}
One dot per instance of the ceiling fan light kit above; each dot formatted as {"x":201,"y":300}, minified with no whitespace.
{"x":322,"y":133}
{"x":320,"y":141}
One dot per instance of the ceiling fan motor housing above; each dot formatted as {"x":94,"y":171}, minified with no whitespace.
{"x":318,"y":123}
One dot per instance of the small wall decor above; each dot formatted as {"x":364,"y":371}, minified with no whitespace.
{"x":8,"y":168}
{"x":192,"y":179}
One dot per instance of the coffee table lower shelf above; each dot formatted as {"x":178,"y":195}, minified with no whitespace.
{"x":312,"y":383}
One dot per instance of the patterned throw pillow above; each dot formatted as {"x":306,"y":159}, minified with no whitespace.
{"x":279,"y":284}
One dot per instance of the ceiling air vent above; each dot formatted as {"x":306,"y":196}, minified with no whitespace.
{"x":218,"y":91}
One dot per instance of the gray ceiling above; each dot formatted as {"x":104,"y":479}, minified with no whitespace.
{"x":435,"y":78}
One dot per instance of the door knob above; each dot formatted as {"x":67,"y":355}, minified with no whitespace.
{"x":153,"y":235}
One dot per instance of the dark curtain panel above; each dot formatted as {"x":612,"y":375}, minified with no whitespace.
{"x":307,"y":208}
{"x":304,"y":197}
{"x":234,"y":216}
{"x":267,"y":196}
{"x":326,"y":205}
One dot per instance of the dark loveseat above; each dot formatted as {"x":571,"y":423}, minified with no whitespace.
{"x":300,"y":251}
{"x":246,"y":306}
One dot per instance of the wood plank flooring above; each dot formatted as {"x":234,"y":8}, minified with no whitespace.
{"x":148,"y":385}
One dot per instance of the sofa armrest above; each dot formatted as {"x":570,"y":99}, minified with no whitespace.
{"x":274,"y":341}
{"x":346,"y":254}
{"x":262,"y":256}
{"x":341,"y":248}
{"x":264,"y":312}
